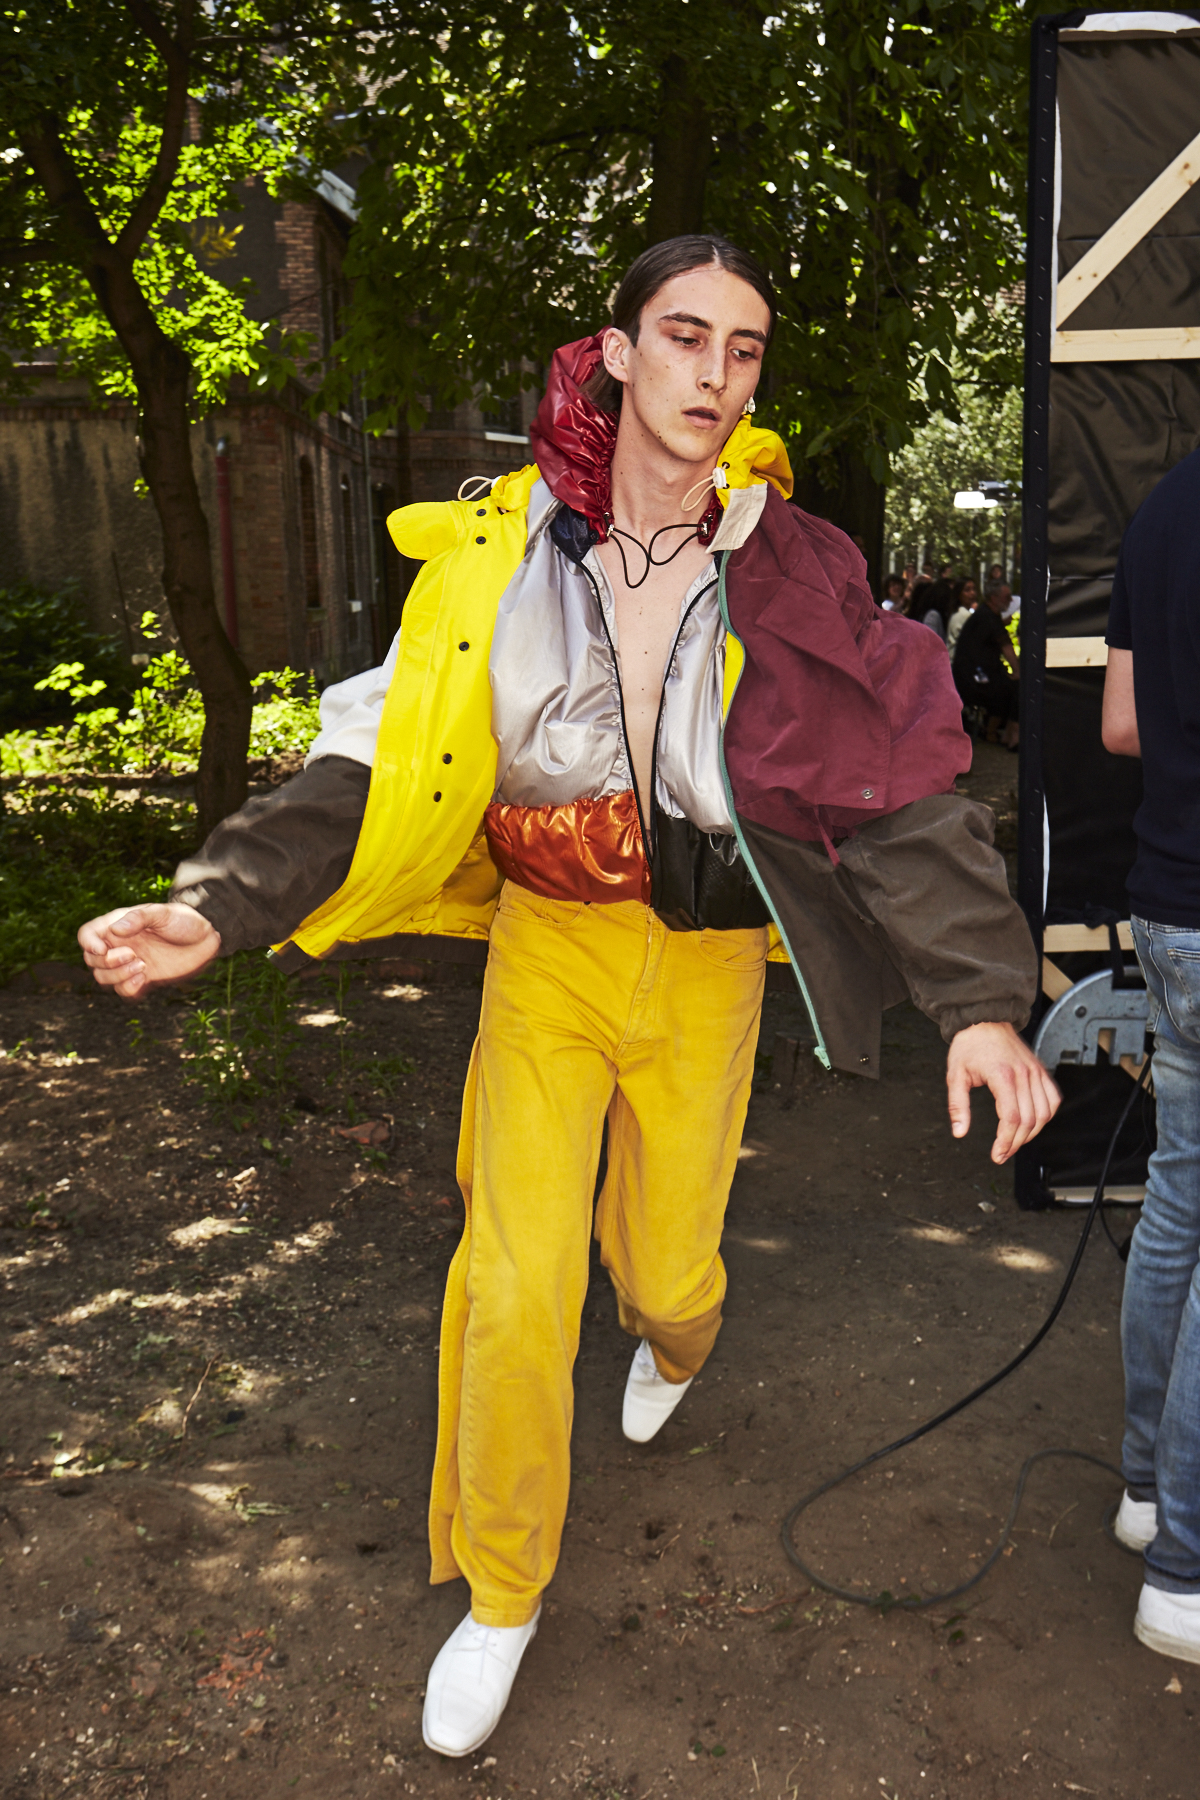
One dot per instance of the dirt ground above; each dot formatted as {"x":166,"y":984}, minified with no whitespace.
{"x":218,"y":1415}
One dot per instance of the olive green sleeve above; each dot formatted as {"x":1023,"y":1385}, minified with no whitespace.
{"x":266,"y":868}
{"x":932,"y":880}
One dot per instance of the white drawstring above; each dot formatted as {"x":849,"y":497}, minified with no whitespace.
{"x":474,"y":481}
{"x":718,"y":479}
{"x":696,"y":493}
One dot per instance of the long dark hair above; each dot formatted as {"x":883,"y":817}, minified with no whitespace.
{"x":651,"y":272}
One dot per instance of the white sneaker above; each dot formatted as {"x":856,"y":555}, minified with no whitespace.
{"x":469,"y":1684}
{"x":649,"y":1398}
{"x":1169,"y":1623}
{"x":1136,"y":1523}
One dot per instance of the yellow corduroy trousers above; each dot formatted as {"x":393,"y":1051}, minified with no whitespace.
{"x":588,"y":1012}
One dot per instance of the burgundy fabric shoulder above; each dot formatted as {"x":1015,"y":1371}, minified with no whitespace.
{"x":843,"y":712}
{"x":573,"y":442}
{"x":573,"y":439}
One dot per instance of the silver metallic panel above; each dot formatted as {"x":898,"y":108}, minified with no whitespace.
{"x":556,"y":709}
{"x":688,"y":782}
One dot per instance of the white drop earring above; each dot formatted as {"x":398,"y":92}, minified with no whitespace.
{"x":749,"y":406}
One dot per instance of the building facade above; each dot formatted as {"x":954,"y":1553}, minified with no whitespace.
{"x":303,"y":569}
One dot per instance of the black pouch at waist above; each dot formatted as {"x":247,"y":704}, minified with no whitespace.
{"x":699,"y":880}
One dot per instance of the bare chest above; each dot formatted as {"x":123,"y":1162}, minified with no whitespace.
{"x":647,"y":616}
{"x":647,"y":619}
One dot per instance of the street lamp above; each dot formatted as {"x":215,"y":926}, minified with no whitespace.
{"x":986,"y":498}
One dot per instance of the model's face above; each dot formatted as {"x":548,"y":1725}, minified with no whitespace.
{"x":696,"y":362}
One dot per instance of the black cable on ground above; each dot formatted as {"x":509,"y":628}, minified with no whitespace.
{"x":914,"y":1602}
{"x":1122,"y":1249}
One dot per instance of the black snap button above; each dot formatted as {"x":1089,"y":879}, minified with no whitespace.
{"x":481,"y":512}
{"x":437,"y":796}
{"x":464,"y":645}
{"x":447,"y":757}
{"x":481,"y":540}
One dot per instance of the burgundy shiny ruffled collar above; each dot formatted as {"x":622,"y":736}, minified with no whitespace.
{"x":573,"y":441}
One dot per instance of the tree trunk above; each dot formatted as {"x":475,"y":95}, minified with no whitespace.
{"x":188,"y":582}
{"x":681,"y":153}
{"x":162,"y":376}
{"x":850,"y":498}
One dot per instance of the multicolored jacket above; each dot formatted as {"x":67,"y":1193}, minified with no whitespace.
{"x":838,"y":730}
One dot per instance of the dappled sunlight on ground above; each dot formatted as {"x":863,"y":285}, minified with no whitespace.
{"x":219,"y":1396}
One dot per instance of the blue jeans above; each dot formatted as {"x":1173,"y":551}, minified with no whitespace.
{"x":1160,"y":1315}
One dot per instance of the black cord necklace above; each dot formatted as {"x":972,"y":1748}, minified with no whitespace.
{"x":647,"y":550}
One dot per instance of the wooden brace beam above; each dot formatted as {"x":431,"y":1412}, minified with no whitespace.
{"x":1140,"y":343}
{"x":1076,"y":653}
{"x":1141,"y":217}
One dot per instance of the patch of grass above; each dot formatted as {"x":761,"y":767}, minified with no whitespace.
{"x":68,"y":855}
{"x":241,"y":1035}
{"x":69,"y":851}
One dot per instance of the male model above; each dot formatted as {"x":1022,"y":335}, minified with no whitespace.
{"x":643,"y":726}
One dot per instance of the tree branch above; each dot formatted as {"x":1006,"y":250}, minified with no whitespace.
{"x":20,"y":253}
{"x":176,"y":55}
{"x":156,"y":30}
{"x":55,"y":169}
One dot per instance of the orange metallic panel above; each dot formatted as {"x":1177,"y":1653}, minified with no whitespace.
{"x":589,"y":850}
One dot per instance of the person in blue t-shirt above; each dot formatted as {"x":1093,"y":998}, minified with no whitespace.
{"x":1152,"y":710}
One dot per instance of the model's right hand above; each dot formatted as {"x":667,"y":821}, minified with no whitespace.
{"x":138,"y":948}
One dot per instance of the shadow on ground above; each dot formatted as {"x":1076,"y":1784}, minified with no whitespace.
{"x":218,"y":1420}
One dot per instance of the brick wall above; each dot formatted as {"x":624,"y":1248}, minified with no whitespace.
{"x":69,"y":510}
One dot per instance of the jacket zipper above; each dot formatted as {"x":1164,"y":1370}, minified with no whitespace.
{"x":612,"y":651}
{"x":662,"y":700}
{"x":743,"y":846}
{"x":647,"y":837}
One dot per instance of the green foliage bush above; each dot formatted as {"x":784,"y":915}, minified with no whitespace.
{"x":161,"y":729}
{"x":287,"y":712}
{"x":67,"y":856}
{"x":41,"y":628}
{"x":70,"y":850}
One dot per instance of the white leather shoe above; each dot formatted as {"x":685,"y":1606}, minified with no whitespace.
{"x":469,"y":1684}
{"x":649,"y":1398}
{"x":1136,"y":1523}
{"x":1169,"y":1623}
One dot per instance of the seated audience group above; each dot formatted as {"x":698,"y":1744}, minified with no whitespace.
{"x":982,"y":652}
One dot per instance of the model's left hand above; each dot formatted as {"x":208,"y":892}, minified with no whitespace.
{"x":993,"y":1056}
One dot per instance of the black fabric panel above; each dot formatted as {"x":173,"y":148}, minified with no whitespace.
{"x":1077,"y":606}
{"x":1115,"y":430}
{"x":1099,"y":437}
{"x":571,"y":533}
{"x":1069,"y":1151}
{"x":1091,"y":798}
{"x":1128,"y":109}
{"x":700,"y":882}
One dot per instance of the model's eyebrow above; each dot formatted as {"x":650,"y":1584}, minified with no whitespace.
{"x":682,"y":318}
